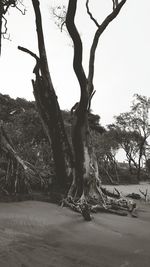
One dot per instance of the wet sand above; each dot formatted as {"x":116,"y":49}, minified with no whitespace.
{"x":38,"y":234}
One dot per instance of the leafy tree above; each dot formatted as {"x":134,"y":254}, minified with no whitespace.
{"x":132,"y":129}
{"x":141,"y":111}
{"x":23,"y":126}
{"x":22,"y":135}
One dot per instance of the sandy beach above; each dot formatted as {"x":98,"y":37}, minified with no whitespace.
{"x":40,"y":234}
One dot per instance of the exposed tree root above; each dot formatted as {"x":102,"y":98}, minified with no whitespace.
{"x":116,"y":205}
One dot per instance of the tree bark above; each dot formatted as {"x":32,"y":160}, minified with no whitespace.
{"x":87,"y":182}
{"x":140,"y":157}
{"x":49,"y":110}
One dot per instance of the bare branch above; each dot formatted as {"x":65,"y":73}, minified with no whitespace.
{"x":90,"y":14}
{"x":5,"y":26}
{"x":37,"y":66}
{"x":77,"y":61}
{"x":13,"y":3}
{"x":90,"y":99}
{"x":23,"y":12}
{"x":29,"y":52}
{"x":98,"y":33}
{"x":59,"y":14}
{"x":115,"y":4}
{"x":4,"y":6}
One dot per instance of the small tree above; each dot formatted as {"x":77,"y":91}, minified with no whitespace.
{"x":131,"y":131}
{"x":141,"y":123}
{"x":49,"y":109}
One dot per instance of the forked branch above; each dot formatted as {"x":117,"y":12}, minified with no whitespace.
{"x":90,"y":14}
{"x":97,"y":35}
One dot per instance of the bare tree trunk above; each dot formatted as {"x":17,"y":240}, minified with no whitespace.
{"x":130,"y":166}
{"x":139,"y":167}
{"x":141,"y":150}
{"x":87,"y":182}
{"x":131,"y":160}
{"x":49,"y":110}
{"x":113,"y":165}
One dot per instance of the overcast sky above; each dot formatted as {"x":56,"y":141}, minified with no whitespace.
{"x":122,"y":65}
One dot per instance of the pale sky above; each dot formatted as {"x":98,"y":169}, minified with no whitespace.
{"x":122,"y":65}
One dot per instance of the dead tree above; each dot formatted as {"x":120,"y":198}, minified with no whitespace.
{"x":85,"y":192}
{"x":86,"y":185}
{"x":49,"y":110}
{"x":86,"y":182}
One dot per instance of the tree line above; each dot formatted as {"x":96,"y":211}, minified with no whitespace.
{"x":23,"y":125}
